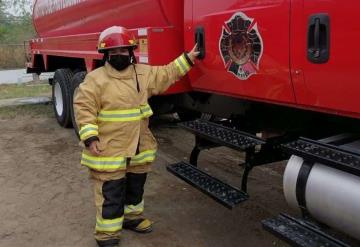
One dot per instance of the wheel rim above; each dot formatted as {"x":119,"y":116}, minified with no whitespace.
{"x":59,"y":104}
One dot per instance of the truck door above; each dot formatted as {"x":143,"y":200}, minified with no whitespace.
{"x":245,"y":48}
{"x":325,"y":54}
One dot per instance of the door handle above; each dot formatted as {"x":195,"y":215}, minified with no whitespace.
{"x":200,"y":40}
{"x":318,"y":49}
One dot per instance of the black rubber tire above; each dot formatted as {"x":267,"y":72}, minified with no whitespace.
{"x":77,"y":79}
{"x":62,"y":77}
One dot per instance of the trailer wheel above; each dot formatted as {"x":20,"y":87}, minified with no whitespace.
{"x":75,"y":82}
{"x":61,"y":96}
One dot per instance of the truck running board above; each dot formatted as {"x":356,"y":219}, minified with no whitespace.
{"x":216,"y":189}
{"x":326,"y":154}
{"x":222,"y":135}
{"x":299,"y":233}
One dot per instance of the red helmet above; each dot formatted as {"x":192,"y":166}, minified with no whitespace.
{"x":115,"y":37}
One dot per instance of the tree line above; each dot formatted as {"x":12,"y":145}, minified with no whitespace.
{"x":15,"y":28}
{"x":15,"y":21}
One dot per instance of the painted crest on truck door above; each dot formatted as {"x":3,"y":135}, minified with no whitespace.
{"x":241,"y":46}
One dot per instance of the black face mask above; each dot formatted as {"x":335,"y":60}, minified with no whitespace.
{"x":119,"y":62}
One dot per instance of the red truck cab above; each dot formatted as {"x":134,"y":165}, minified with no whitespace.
{"x":287,"y":71}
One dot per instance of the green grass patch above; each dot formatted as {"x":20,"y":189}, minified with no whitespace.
{"x":40,"y":110}
{"x":25,"y":90}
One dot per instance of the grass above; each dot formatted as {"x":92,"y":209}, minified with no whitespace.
{"x":24,"y":90}
{"x":12,"y":112}
{"x":12,"y":56}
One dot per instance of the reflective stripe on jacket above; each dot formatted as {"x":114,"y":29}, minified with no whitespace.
{"x":109,"y":106}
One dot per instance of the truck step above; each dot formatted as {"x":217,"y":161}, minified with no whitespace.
{"x":222,"y":135}
{"x":299,"y":233}
{"x":326,"y":154}
{"x":216,"y":189}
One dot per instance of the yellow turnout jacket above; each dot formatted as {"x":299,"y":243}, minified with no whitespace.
{"x":109,"y":106}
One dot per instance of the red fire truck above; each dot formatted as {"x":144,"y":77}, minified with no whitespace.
{"x":275,"y":79}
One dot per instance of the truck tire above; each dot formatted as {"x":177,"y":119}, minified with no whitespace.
{"x":75,"y":82}
{"x":61,"y":96}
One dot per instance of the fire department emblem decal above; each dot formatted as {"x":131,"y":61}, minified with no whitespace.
{"x":241,"y":46}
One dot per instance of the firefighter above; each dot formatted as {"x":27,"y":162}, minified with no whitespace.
{"x":112,"y":113}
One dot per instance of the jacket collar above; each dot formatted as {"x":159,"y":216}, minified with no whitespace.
{"x":124,"y":74}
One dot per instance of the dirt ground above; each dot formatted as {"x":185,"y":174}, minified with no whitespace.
{"x":46,"y":196}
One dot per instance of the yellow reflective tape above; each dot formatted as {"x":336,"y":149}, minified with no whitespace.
{"x":88,"y":130}
{"x":147,"y":114}
{"x":185,"y":63}
{"x":143,"y":157}
{"x":182,"y":64}
{"x":132,"y":41}
{"x":135,"y":114}
{"x":119,"y":119}
{"x":100,"y":163}
{"x":146,"y":111}
{"x":104,"y":225}
{"x":89,"y":125}
{"x":120,"y":115}
{"x":128,"y":111}
{"x":95,"y":158}
{"x":181,"y":70}
{"x":145,"y":108}
{"x":134,"y":209}
{"x":89,"y":134}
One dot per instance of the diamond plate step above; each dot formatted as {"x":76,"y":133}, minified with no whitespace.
{"x":326,"y":154}
{"x":223,"y":135}
{"x":218,"y":190}
{"x":299,"y":233}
